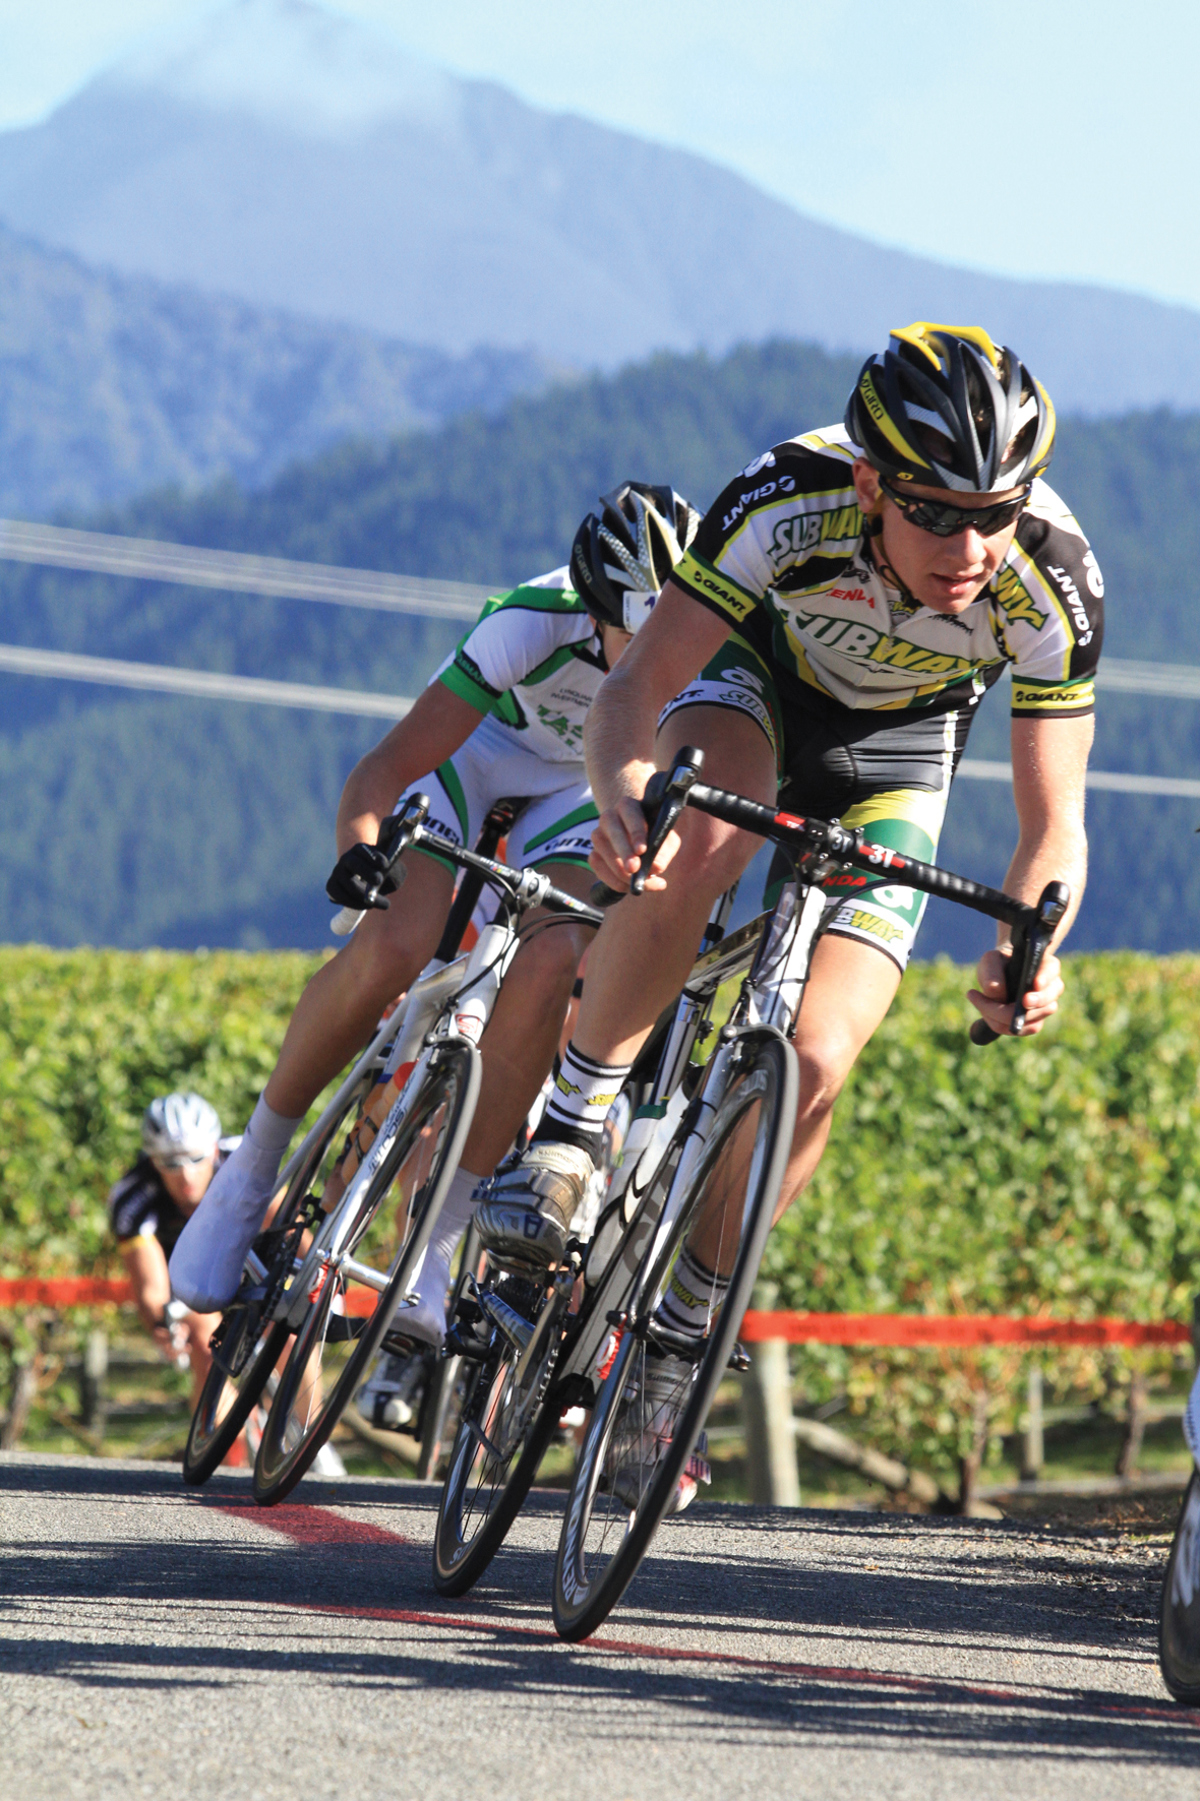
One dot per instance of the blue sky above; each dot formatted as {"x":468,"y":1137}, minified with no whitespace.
{"x":1044,"y":137}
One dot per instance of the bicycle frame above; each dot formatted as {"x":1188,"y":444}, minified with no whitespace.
{"x":449,"y":1003}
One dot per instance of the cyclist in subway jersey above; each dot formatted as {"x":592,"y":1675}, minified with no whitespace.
{"x":846,"y":603}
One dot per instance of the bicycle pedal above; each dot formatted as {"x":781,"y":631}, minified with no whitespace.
{"x":739,"y":1358}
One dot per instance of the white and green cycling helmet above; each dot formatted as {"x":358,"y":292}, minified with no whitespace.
{"x":180,"y":1127}
{"x":622,"y":555}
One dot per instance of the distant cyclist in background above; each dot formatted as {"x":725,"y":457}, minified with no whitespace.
{"x":502,"y":719}
{"x":182,"y":1149}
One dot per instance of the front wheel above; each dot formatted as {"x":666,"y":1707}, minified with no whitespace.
{"x":347,"y":1317}
{"x":1179,"y":1632}
{"x":507,"y":1420}
{"x":657,"y":1389}
{"x":249,"y":1341}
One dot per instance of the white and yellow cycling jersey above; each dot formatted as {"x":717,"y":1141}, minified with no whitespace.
{"x":781,"y":555}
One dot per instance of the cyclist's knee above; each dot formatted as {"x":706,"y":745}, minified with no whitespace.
{"x":825,"y":1063}
{"x":711,"y":855}
{"x":547,"y":961}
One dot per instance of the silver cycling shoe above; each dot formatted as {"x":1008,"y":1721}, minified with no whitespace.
{"x":525,"y":1215}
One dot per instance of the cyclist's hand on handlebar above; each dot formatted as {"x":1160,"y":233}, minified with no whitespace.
{"x":1040,"y":1001}
{"x":618,"y":841}
{"x":356,"y":873}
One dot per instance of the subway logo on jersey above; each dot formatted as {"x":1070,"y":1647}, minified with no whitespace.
{"x":864,"y":644}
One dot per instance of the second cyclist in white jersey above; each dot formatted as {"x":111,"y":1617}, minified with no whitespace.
{"x":502,"y":719}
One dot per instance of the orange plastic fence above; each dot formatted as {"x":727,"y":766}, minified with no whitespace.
{"x":914,"y":1329}
{"x":954,"y":1329}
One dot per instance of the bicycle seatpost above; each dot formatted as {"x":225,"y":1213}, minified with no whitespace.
{"x":1031,"y":939}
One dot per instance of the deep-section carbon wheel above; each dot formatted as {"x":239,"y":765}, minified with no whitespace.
{"x":1179,"y":1633}
{"x":346,"y":1318}
{"x":247,"y":1346}
{"x":655,"y":1393}
{"x":508,"y":1417}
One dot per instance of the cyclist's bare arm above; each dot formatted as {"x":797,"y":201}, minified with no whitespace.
{"x":672,"y":647}
{"x":440,"y":721}
{"x":146,"y":1265}
{"x":1049,"y":759}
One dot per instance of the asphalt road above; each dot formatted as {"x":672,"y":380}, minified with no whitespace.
{"x":156,"y":1642}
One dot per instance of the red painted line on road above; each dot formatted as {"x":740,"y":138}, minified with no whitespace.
{"x":312,"y":1525}
{"x":319,"y":1525}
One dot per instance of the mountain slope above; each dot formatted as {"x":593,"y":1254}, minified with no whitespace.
{"x":111,"y":384}
{"x":291,"y":157}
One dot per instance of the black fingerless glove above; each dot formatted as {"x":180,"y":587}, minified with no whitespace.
{"x":360,"y":879}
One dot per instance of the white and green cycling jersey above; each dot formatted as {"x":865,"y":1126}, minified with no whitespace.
{"x":533,"y":661}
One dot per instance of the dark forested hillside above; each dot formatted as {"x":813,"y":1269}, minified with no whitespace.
{"x":111,"y":384}
{"x":212,"y":824}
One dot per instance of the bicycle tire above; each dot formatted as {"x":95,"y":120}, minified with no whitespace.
{"x":299,"y":1423}
{"x":601,"y":1547}
{"x":226,"y":1401}
{"x":1179,"y":1621}
{"x":499,"y":1444}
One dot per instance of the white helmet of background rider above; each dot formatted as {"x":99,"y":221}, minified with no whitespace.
{"x":180,"y":1126}
{"x":622,"y":555}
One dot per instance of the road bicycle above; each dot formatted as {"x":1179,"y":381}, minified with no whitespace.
{"x":352,"y":1284}
{"x":704,"y":1162}
{"x":255,"y":1329}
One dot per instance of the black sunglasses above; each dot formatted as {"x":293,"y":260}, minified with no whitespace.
{"x":944,"y":520}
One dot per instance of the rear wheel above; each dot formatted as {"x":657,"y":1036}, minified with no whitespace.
{"x":1179,"y":1633}
{"x":248,"y":1343}
{"x":657,"y":1390}
{"x":347,"y":1319}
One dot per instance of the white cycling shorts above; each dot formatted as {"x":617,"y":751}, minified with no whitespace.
{"x":556,"y":818}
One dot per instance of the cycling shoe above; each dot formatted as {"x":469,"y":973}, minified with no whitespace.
{"x":525,"y":1214}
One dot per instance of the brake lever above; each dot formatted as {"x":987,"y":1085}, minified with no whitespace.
{"x":1031,"y":941}
{"x":396,"y":834}
{"x":665,"y":798}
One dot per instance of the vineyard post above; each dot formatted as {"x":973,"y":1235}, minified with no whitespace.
{"x":1033,"y":1450}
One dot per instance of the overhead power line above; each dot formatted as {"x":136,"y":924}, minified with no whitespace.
{"x":161,"y":678}
{"x":278,"y":578}
{"x":199,"y":684}
{"x":236,"y":573}
{"x":1105,"y":780}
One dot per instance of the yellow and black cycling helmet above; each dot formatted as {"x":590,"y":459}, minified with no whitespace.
{"x":622,"y":555}
{"x":945,"y":407}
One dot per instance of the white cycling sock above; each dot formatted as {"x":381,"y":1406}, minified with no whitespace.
{"x":206,"y":1264}
{"x":427,"y":1317}
{"x":694,"y":1294}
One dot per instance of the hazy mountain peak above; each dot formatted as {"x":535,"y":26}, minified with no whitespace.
{"x":292,"y":63}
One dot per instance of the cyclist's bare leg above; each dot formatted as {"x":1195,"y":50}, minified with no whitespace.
{"x":341,"y":1004}
{"x":646,"y":946}
{"x":522,"y":1035}
{"x":850,"y":989}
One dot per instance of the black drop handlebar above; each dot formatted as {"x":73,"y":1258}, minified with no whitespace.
{"x":668,"y":792}
{"x":401,"y":831}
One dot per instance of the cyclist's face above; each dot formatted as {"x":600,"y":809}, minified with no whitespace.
{"x":616,"y":643}
{"x":944,"y":574}
{"x":187,"y":1183}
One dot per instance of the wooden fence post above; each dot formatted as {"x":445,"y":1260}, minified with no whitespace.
{"x":770,"y":1436}
{"x":92,"y":1373}
{"x":1033,"y":1447}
